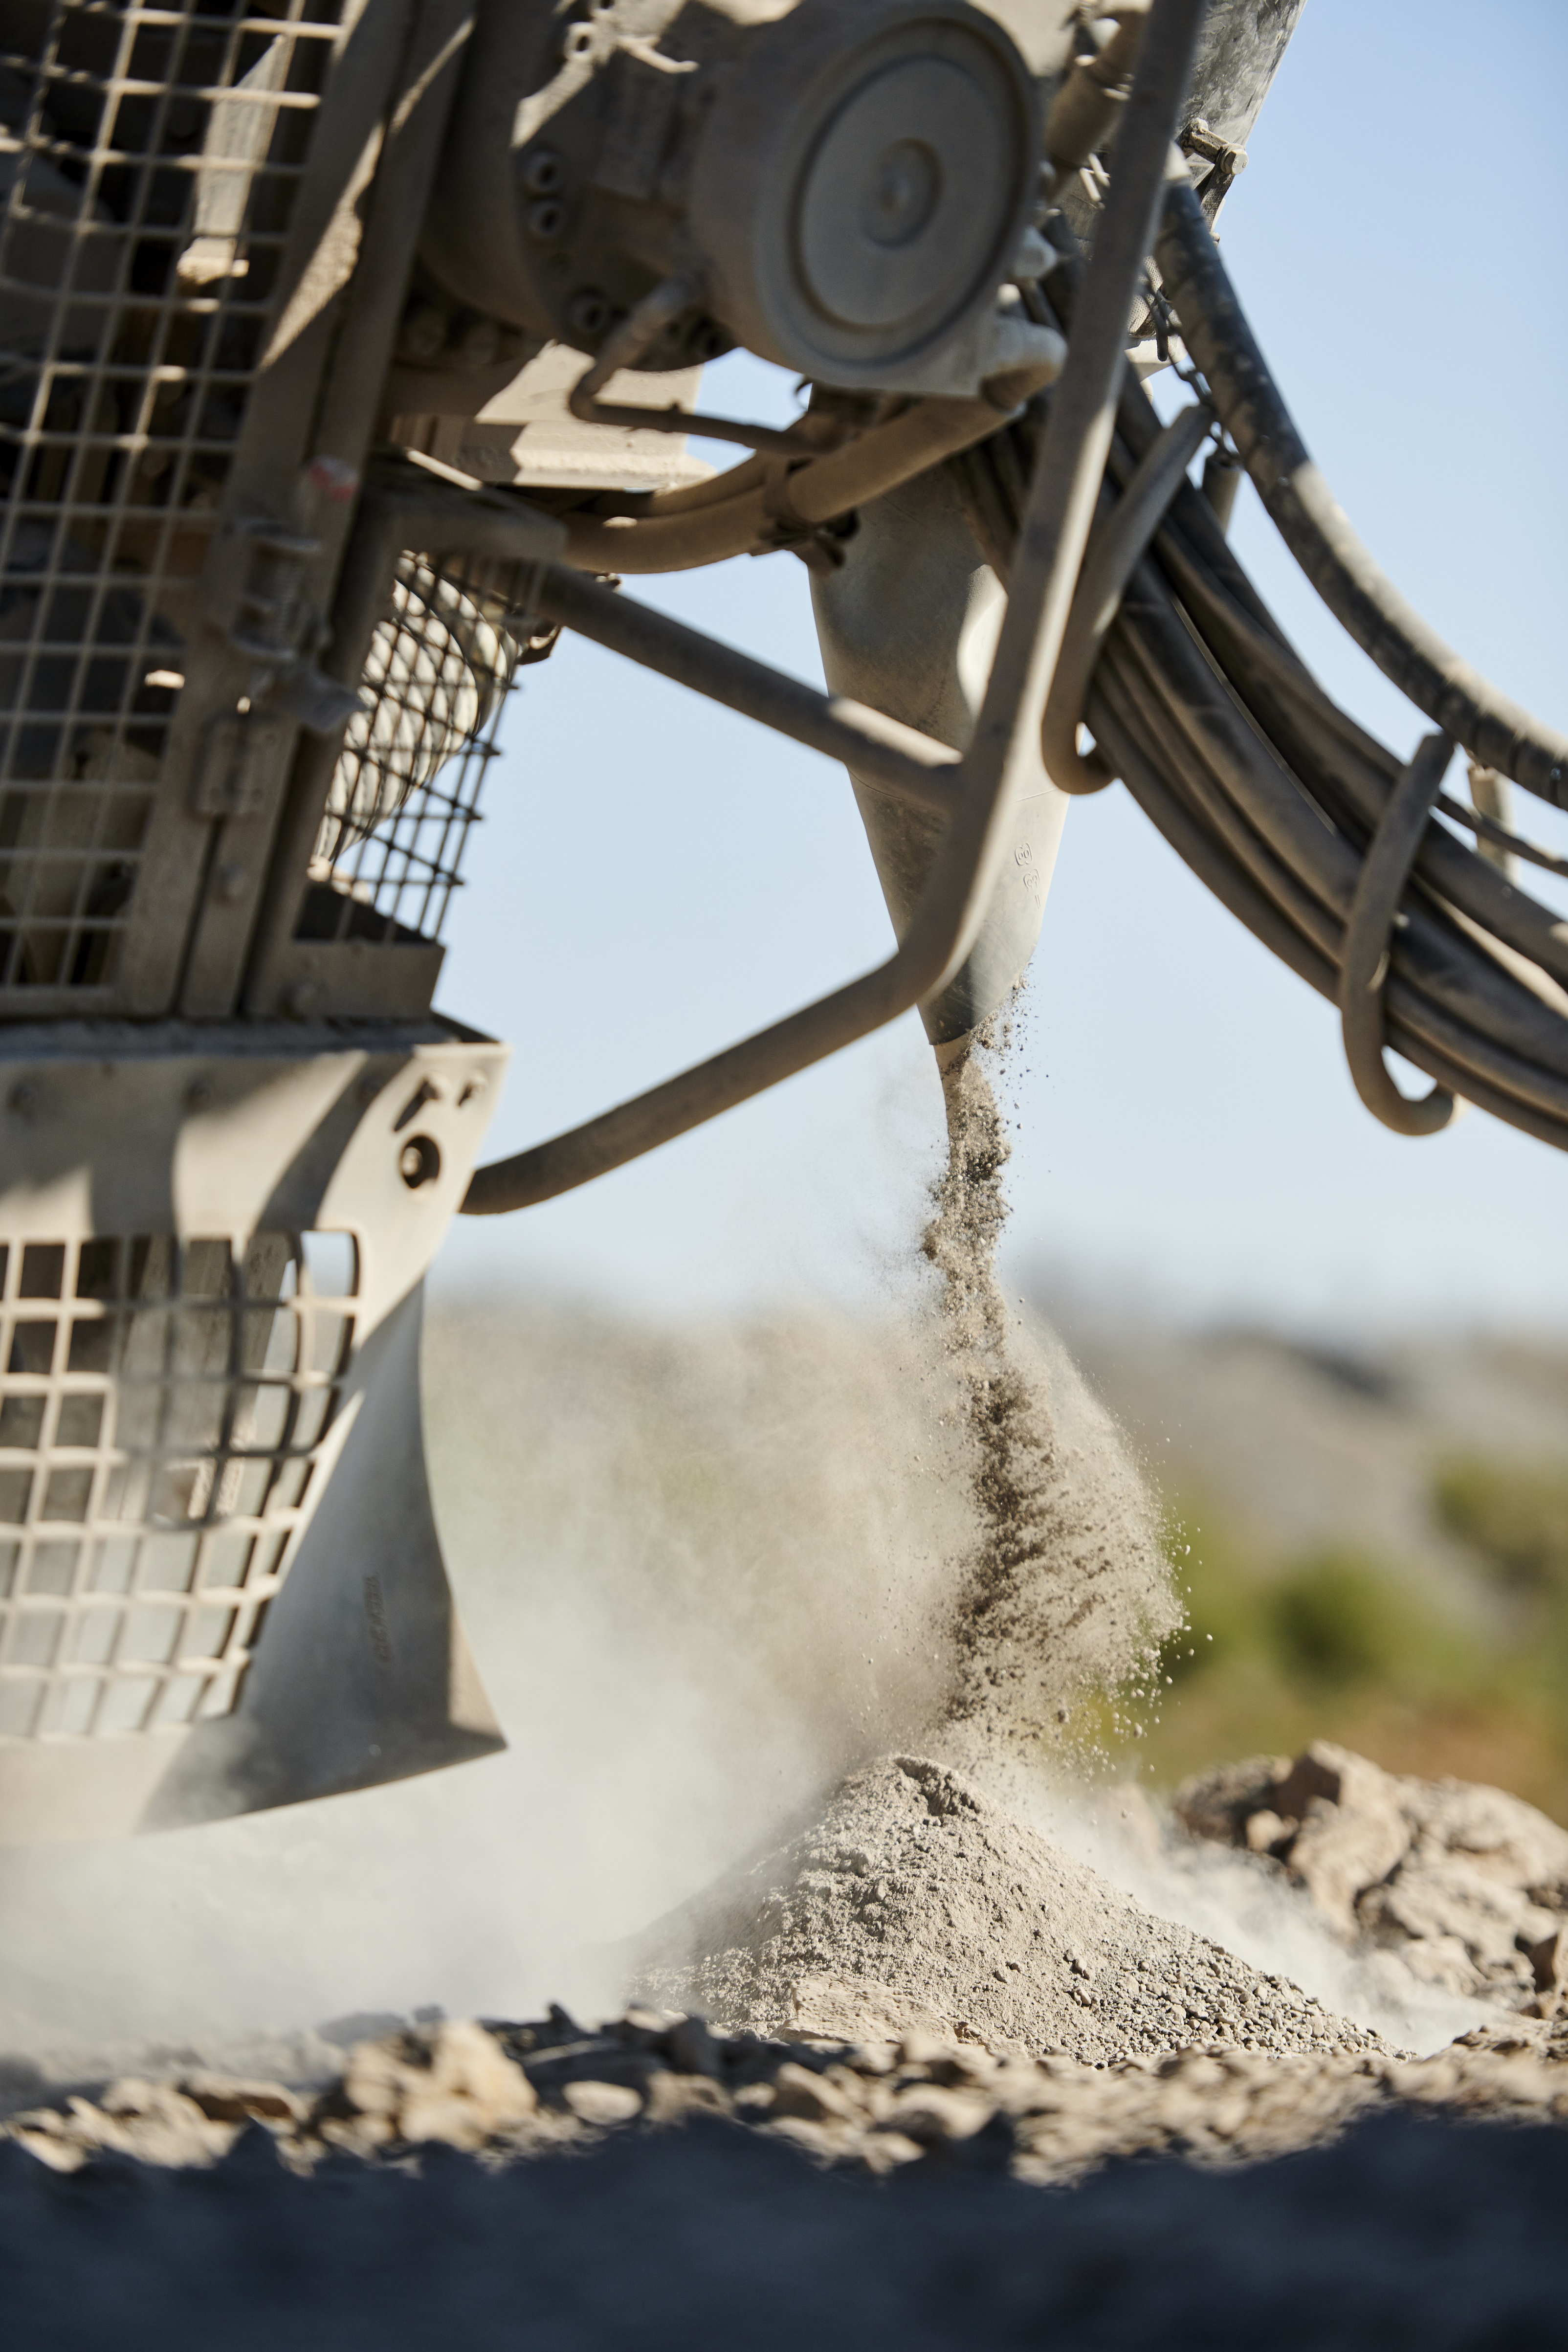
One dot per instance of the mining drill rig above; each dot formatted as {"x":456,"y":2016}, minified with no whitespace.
{"x":348,"y":350}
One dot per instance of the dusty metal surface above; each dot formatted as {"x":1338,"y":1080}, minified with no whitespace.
{"x":213,"y":1245}
{"x":154,"y":160}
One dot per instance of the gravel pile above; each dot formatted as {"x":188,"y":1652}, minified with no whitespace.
{"x":973,"y":2017}
{"x":1466,"y":1884}
{"x":915,"y":1903}
{"x":539,"y":2090}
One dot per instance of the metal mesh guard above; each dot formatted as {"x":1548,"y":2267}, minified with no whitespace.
{"x":442,"y":663}
{"x":163,"y":1409}
{"x":149,"y":160}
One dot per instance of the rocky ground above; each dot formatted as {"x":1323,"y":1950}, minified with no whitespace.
{"x":546,"y":2089}
{"x":655,"y":2184}
{"x":1466,"y":1886}
{"x":934,"y":2014}
{"x":1409,"y":2230}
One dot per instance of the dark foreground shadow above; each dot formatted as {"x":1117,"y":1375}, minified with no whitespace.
{"x":1405,"y":2231}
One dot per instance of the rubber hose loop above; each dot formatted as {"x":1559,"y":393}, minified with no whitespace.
{"x":1364,"y":970}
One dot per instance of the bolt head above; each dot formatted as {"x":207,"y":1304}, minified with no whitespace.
{"x":423,"y":332}
{"x":588,"y":313}
{"x":419,"y":1161}
{"x":542,"y":171}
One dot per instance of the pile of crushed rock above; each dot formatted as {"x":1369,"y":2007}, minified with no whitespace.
{"x":920,"y":1978}
{"x":913,"y":1902}
{"x":1467,"y":1885}
{"x":916,"y":1977}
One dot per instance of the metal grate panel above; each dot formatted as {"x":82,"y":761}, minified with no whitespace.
{"x":149,"y":161}
{"x":162,"y":1410}
{"x":405,"y":792}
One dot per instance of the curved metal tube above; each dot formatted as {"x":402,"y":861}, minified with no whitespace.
{"x":1055,"y":528}
{"x":783,"y":507}
{"x":899,"y":758}
{"x":636,"y":335}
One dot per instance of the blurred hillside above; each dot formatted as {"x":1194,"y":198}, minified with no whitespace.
{"x":732,"y":1544}
{"x":1374,"y":1540}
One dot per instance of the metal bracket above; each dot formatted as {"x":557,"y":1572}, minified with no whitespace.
{"x":1226,"y":162}
{"x":231,"y":771}
{"x":266,"y":621}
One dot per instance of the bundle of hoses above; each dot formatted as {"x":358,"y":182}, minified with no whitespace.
{"x":1323,"y":843}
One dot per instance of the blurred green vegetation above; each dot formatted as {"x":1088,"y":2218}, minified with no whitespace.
{"x":1515,"y":1519}
{"x":1335,"y":1645}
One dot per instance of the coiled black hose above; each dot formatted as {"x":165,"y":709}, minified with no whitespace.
{"x":1267,"y":790}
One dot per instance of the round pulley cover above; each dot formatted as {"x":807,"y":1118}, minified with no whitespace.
{"x":861,"y":183}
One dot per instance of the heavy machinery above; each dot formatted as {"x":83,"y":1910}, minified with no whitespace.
{"x":347,"y":352}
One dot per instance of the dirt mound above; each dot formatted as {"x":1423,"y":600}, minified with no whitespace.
{"x":911,"y":1901}
{"x":1467,"y":1885}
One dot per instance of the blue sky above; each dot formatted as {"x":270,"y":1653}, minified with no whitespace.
{"x":656,"y":878}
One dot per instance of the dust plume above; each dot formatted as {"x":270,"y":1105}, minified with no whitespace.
{"x":704,"y":1575}
{"x":700,"y":1573}
{"x":1240,"y":1903}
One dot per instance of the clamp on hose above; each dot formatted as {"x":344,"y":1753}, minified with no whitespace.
{"x":1368,"y":936}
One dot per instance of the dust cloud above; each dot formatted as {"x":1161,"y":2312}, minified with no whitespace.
{"x":700,"y":1576}
{"x":1239,"y":1902}
{"x":704,"y":1575}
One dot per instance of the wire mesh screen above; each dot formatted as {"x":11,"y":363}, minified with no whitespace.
{"x":148,"y":160}
{"x":162,"y":1406}
{"x":405,"y":793}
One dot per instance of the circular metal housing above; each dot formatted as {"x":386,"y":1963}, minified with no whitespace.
{"x":861,"y":181}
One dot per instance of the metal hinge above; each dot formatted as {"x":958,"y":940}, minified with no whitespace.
{"x":1226,"y":162}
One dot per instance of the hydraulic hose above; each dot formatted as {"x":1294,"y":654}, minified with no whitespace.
{"x":1313,"y":833}
{"x":1315,"y":527}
